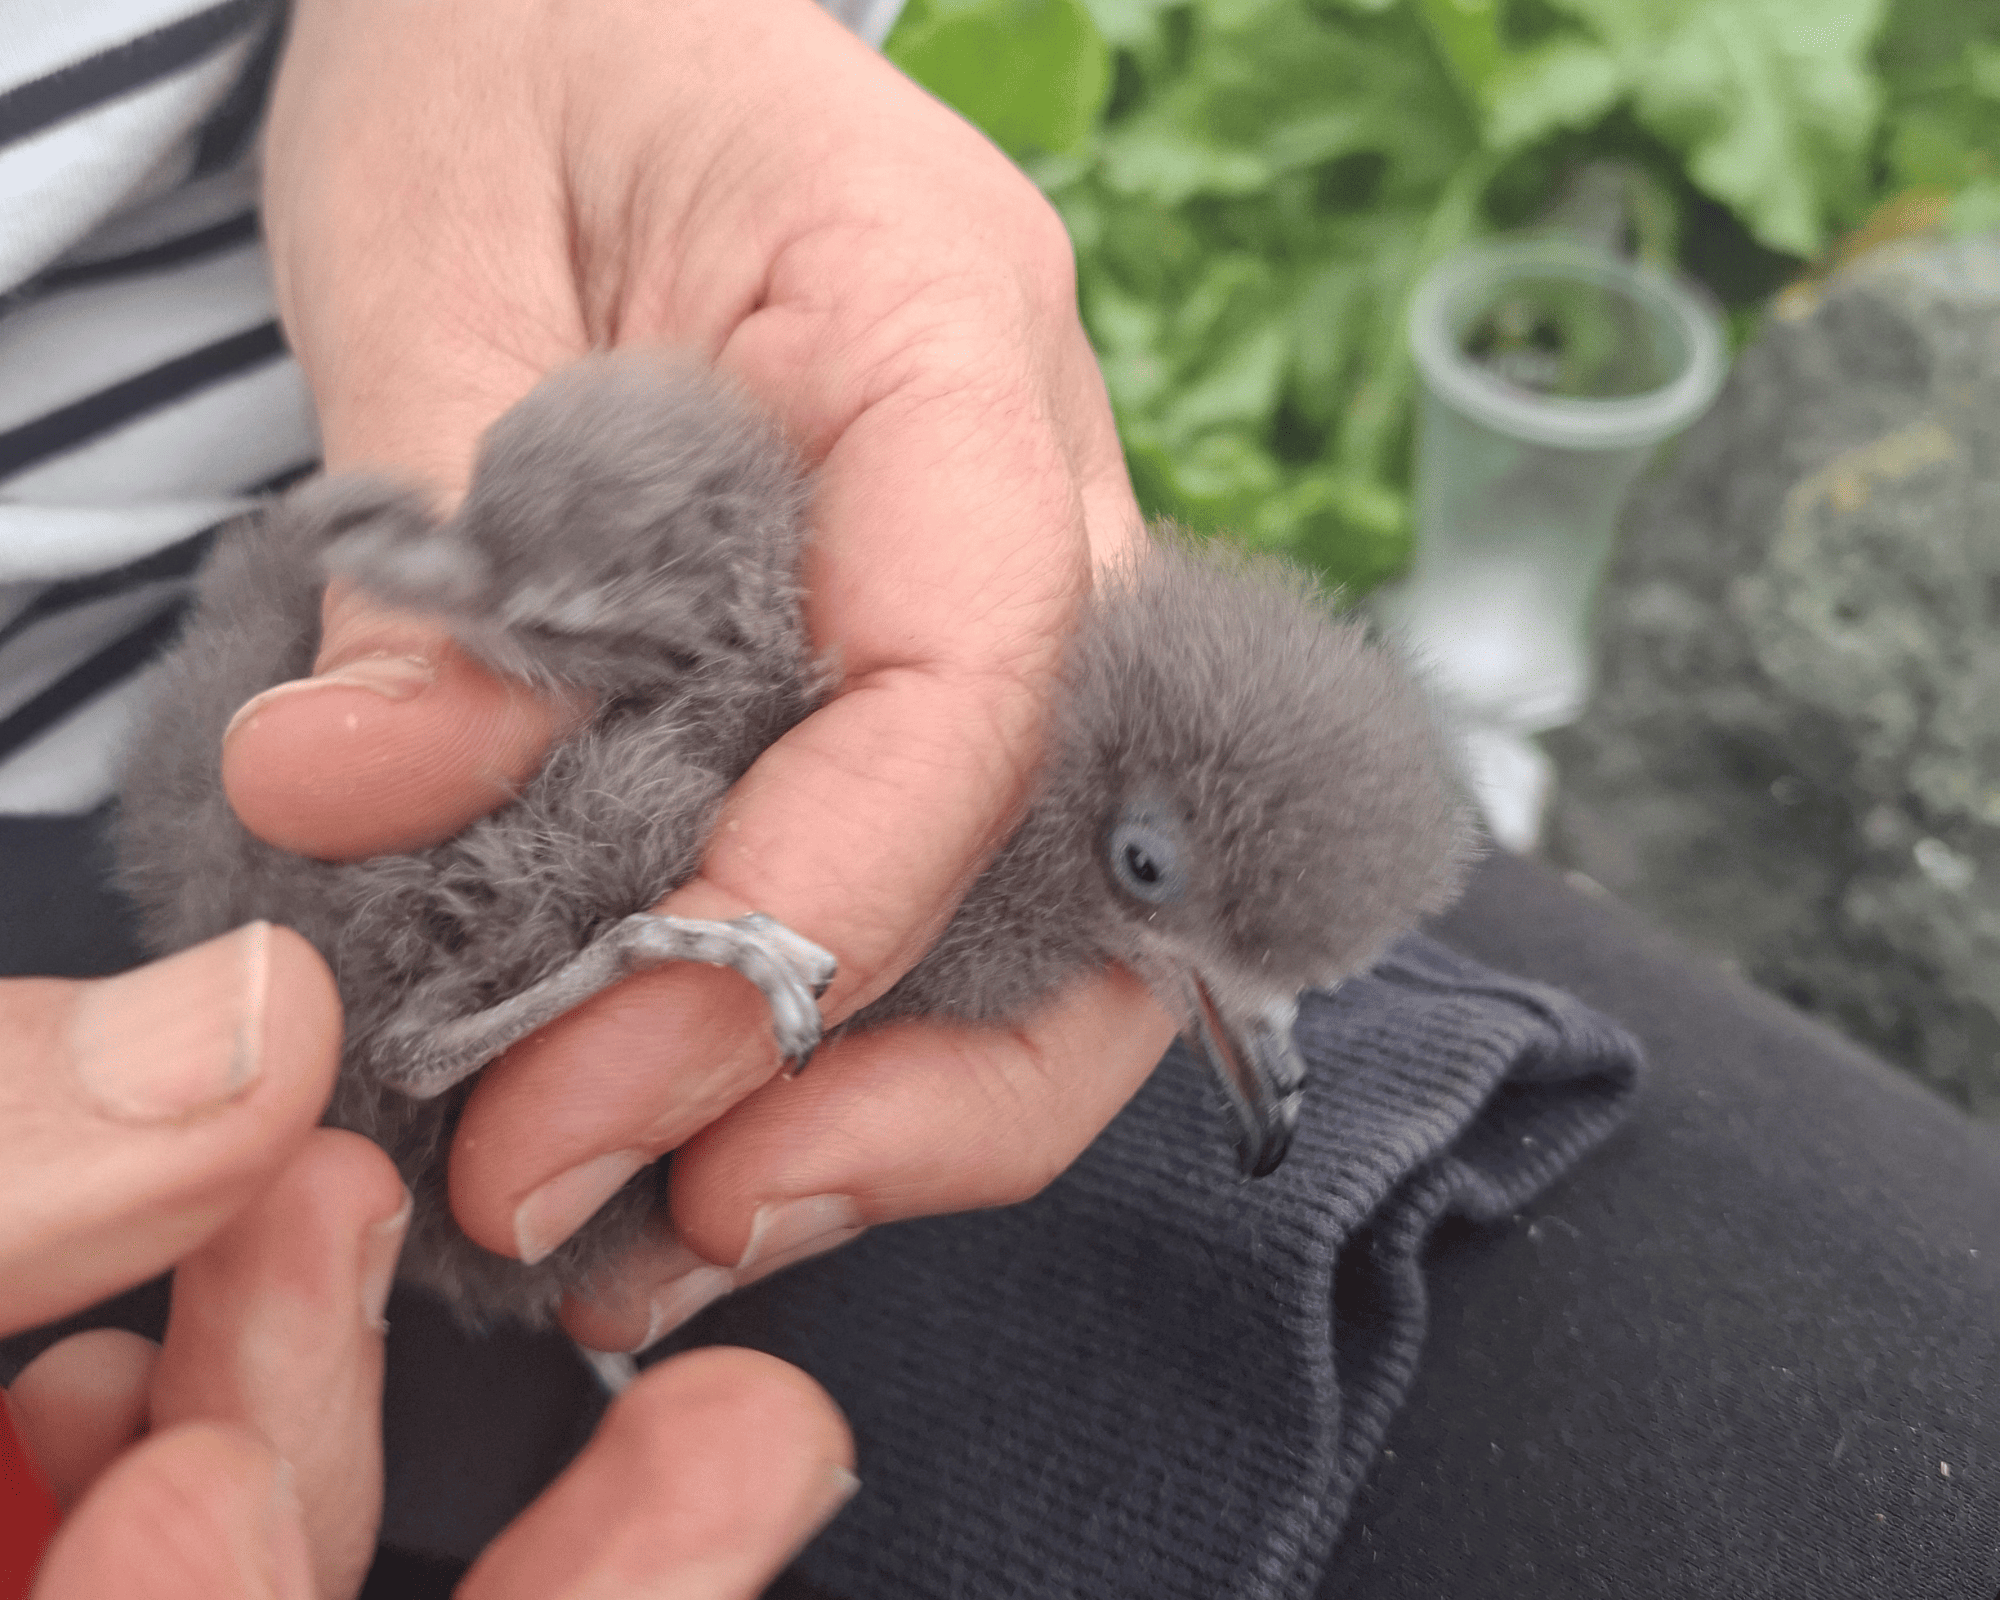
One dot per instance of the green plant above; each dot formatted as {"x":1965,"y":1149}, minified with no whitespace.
{"x":1254,"y":187}
{"x":1941,"y":65}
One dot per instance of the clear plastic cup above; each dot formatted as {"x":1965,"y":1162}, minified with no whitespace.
{"x":1551,"y":372}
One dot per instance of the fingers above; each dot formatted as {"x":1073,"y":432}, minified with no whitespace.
{"x":277,"y":1326}
{"x":420,"y":310}
{"x":79,"y":1403}
{"x":140,"y":1112}
{"x":267,"y":1391}
{"x":912,"y":1120}
{"x":399,"y":740}
{"x":201,"y":1512}
{"x":702,"y":1482}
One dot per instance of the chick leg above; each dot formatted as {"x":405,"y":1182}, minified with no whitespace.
{"x":792,"y":972}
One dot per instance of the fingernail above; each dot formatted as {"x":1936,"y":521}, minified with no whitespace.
{"x":567,"y":1201}
{"x":681,"y":1299}
{"x":781,"y":1232}
{"x":392,"y":677}
{"x":287,"y":1558}
{"x":785,"y":1231}
{"x":381,"y":1247}
{"x":825,"y":1498}
{"x":181,"y":1036}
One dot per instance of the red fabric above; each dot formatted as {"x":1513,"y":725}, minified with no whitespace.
{"x":28,"y":1513}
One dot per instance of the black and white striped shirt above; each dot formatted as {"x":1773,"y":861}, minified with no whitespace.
{"x":146,"y":396}
{"x":145,"y":393}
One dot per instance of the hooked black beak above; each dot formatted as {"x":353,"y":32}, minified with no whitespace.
{"x":1259,"y":1070}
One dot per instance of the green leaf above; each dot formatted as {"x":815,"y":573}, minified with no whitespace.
{"x":1976,"y":210}
{"x":1467,"y":33}
{"x":1982,"y":68}
{"x":1377,"y":419}
{"x":1771,"y":102}
{"x":1159,"y":156}
{"x":1217,"y":483}
{"x":1942,"y":74}
{"x":1032,"y":75}
{"x":1126,"y":330}
{"x":1354,"y":530}
{"x":1928,"y":150}
{"x":1239,"y":390}
{"x":1560,"y":84}
{"x":1129,"y":23}
{"x":1284,"y":91}
{"x":1326,"y":326}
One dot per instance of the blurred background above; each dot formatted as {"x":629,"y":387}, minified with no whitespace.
{"x":1789,"y":751}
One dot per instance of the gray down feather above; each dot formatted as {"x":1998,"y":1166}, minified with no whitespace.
{"x":635,"y":527}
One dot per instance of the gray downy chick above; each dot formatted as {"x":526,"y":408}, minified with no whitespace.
{"x":1242,"y":797}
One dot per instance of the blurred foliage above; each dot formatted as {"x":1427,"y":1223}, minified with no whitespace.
{"x":1254,"y":187}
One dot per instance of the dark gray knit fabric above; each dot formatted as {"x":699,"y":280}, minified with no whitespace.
{"x":1155,"y":1380}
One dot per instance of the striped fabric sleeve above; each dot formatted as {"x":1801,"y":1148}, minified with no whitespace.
{"x":146,"y":395}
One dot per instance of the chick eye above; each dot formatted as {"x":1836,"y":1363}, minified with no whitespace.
{"x":1146,"y":861}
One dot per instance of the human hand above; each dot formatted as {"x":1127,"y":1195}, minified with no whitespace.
{"x":165,"y":1118}
{"x":463,"y":195}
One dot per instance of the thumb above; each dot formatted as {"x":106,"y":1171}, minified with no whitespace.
{"x":138,"y":1113}
{"x":200,"y":1512}
{"x":398,"y":740}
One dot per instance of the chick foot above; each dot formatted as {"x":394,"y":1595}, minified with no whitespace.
{"x":791,"y":972}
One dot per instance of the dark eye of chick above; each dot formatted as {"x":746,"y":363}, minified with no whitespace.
{"x":1140,"y":865}
{"x":1145,"y":858}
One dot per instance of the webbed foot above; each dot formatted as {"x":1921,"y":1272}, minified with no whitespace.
{"x":792,"y":972}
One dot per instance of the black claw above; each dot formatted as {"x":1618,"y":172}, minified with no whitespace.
{"x":794,"y":1065}
{"x":1261,"y":1157}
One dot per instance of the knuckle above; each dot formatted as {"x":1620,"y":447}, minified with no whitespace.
{"x":1047,"y":254}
